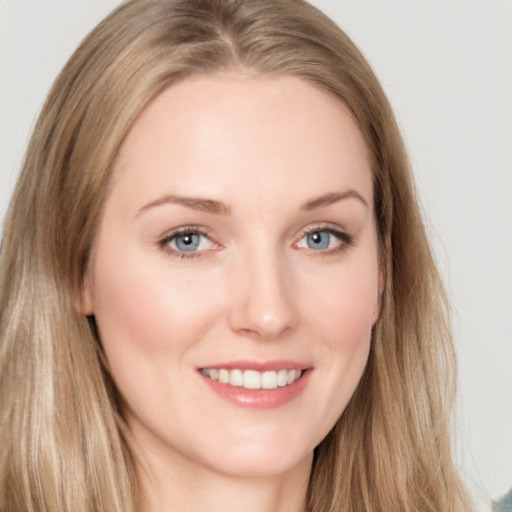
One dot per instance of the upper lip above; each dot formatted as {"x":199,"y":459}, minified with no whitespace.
{"x":259,"y":366}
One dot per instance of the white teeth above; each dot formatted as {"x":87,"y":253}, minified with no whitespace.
{"x":252,"y":379}
{"x":236,"y":378}
{"x":282,"y":378}
{"x":269,"y":380}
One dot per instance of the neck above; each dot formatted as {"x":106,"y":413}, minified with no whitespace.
{"x":187,"y":486}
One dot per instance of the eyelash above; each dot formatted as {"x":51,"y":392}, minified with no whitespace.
{"x":346,"y":240}
{"x":182,"y":231}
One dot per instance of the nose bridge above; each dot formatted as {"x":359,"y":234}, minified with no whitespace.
{"x":262,"y":303}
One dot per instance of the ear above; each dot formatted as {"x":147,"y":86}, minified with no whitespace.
{"x":383,"y":276}
{"x":84,"y":303}
{"x":382,"y":285}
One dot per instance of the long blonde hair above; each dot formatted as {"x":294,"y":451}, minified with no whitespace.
{"x":64,"y":444}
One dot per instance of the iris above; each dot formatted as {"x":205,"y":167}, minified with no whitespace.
{"x":318,"y":240}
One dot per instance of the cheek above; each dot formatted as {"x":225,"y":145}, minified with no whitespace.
{"x":345,"y":305}
{"x":147,"y":321}
{"x":345,"y":323}
{"x":342,"y":316}
{"x":138,"y":306}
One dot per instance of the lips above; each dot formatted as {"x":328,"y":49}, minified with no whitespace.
{"x":257,"y":385}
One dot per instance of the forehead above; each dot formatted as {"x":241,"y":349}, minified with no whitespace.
{"x":232,"y":133}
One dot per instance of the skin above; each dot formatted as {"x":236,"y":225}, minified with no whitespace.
{"x":256,"y":289}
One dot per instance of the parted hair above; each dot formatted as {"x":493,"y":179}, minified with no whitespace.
{"x":64,"y":443}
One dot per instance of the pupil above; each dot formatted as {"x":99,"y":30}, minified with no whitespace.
{"x":189,"y":242}
{"x":318,"y":240}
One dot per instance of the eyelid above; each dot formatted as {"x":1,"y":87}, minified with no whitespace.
{"x":323,"y":226}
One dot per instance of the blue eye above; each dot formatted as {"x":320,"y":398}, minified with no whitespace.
{"x":318,"y":240}
{"x":186,"y":242}
{"x":327,"y":240}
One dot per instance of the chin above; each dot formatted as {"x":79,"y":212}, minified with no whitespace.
{"x":261,"y":465}
{"x":262,"y":457}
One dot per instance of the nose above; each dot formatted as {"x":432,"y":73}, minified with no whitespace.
{"x":262,"y":304}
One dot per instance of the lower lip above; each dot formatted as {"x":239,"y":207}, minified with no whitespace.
{"x":259,"y":398}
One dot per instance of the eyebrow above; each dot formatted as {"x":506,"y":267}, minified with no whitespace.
{"x":333,"y":197}
{"x":220,"y":208}
{"x":195,"y":203}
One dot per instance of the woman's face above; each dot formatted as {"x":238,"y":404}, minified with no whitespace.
{"x":235,"y":275}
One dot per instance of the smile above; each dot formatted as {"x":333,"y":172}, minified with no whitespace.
{"x":252,"y":379}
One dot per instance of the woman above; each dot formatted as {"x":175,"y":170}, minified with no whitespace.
{"x":216,"y":287}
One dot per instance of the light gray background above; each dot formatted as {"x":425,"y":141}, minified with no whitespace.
{"x":447,"y":68}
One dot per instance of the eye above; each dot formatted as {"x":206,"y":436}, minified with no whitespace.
{"x":319,"y":240}
{"x":186,"y":242}
{"x":189,"y":242}
{"x":327,"y":240}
